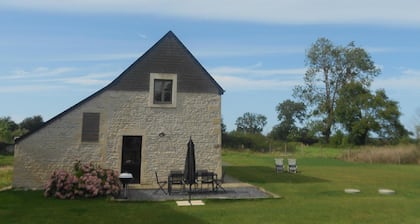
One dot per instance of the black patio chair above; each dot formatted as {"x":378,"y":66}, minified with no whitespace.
{"x":219,"y":182}
{"x":206,"y":177}
{"x":161,"y":184}
{"x":176,"y":177}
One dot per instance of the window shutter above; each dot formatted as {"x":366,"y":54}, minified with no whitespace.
{"x":90,"y":127}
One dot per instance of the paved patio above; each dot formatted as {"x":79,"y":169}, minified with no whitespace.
{"x":234,"y":189}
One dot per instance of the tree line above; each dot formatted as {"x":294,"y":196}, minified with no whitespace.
{"x":335,"y":104}
{"x":9,"y":129}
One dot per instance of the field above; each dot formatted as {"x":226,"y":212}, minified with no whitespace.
{"x":314,"y":195}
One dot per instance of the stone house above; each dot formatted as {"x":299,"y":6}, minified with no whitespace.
{"x":140,"y":123}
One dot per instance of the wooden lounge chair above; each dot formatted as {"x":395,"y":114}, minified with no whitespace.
{"x":292,"y":165}
{"x":279,"y":165}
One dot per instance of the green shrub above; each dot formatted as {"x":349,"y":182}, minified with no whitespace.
{"x":240,"y":140}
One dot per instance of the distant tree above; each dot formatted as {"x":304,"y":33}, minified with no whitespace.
{"x":223,"y":127}
{"x":362,"y":113}
{"x":329,"y":69}
{"x":417,"y":126}
{"x":289,"y":112}
{"x":8,"y":128}
{"x":31,"y":123}
{"x":251,"y":123}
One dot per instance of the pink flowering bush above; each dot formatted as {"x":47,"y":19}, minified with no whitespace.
{"x":61,"y":185}
{"x":87,"y":181}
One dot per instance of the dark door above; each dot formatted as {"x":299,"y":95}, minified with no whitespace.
{"x":131,"y":156}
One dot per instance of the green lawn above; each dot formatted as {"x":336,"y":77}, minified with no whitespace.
{"x":315,"y":195}
{"x":6,"y":163}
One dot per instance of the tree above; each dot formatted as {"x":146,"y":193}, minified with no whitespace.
{"x":251,"y":123}
{"x":362,"y":112}
{"x":8,"y":128}
{"x":417,"y":126}
{"x":289,"y":112}
{"x":31,"y":123}
{"x":329,"y":69}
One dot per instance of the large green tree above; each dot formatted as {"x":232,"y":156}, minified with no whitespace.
{"x":289,"y":113}
{"x":8,"y":129}
{"x":31,"y":123}
{"x":251,"y":123}
{"x":330,"y":67}
{"x":362,"y":113}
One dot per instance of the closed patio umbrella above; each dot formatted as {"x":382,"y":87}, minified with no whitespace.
{"x":189,"y":169}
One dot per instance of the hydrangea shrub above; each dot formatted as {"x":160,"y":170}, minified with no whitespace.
{"x":87,"y":180}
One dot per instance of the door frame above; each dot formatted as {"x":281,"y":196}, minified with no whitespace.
{"x":138,"y":153}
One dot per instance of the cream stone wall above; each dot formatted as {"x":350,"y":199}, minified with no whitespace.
{"x":58,"y":145}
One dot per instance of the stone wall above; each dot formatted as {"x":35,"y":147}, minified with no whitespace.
{"x":58,"y":145}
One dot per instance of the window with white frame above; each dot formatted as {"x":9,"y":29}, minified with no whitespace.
{"x":163,"y":88}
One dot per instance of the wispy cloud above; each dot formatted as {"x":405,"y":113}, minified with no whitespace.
{"x":403,"y":12}
{"x":97,"y":57}
{"x":242,"y":51}
{"x":36,"y":73}
{"x":28,"y":88}
{"x":255,"y":71}
{"x":406,"y":80}
{"x":232,"y":83}
{"x":47,"y":79}
{"x":96,"y":79}
{"x":255,"y":77}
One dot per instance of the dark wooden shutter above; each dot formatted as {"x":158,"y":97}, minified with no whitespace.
{"x":90,"y":127}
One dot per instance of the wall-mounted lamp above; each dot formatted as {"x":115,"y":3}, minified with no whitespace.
{"x":161,"y":134}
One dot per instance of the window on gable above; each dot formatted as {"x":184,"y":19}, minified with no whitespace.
{"x":90,"y":127}
{"x":162,"y":91}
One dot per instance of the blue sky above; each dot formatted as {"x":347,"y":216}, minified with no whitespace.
{"x":55,"y":53}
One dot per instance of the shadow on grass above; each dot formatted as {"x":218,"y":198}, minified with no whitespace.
{"x":263,"y":174}
{"x":32,"y":207}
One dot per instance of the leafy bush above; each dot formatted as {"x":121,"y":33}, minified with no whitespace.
{"x":87,"y":181}
{"x":61,"y":185}
{"x":241,"y":140}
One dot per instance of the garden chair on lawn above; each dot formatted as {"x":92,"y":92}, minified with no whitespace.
{"x":161,"y":184}
{"x":279,"y":164}
{"x":292,"y":165}
{"x":219,"y":182}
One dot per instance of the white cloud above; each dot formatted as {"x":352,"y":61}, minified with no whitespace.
{"x":43,"y":79}
{"x":98,"y":57}
{"x":97,"y":79}
{"x":255,"y":71}
{"x":255,"y":78}
{"x":402,"y":12}
{"x":240,"y":51}
{"x":37,"y":72}
{"x":231,"y":83}
{"x":409,"y":79}
{"x":28,"y":88}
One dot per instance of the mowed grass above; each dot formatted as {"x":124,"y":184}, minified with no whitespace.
{"x":314,"y":195}
{"x":6,"y":170}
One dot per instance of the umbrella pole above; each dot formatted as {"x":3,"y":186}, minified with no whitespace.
{"x":189,"y":195}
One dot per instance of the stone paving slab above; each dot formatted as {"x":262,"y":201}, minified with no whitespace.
{"x":240,"y":192}
{"x":234,"y":189}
